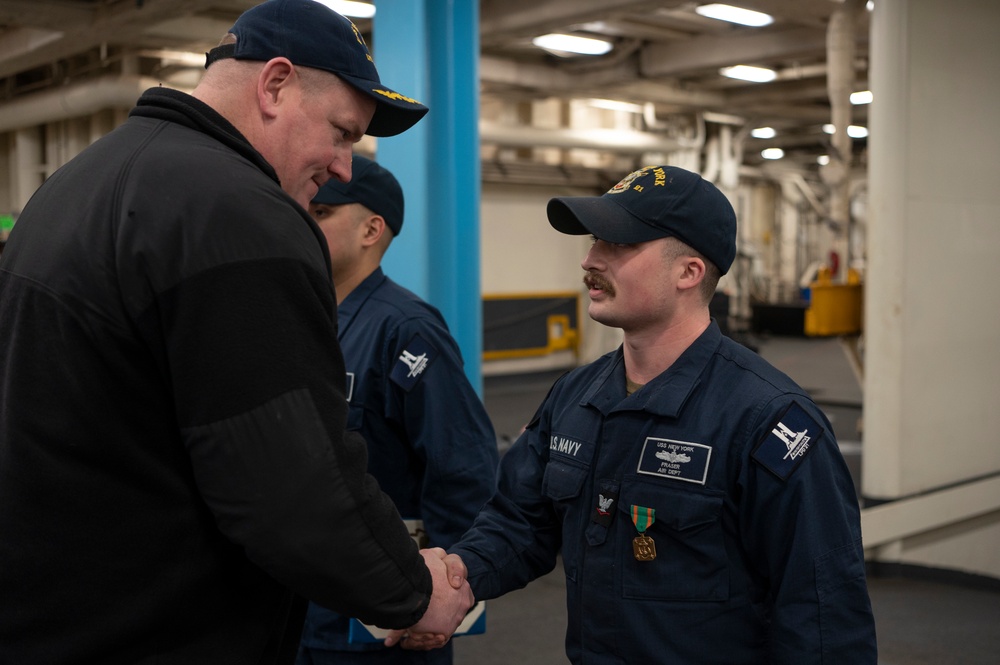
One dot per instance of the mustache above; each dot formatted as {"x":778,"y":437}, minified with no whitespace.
{"x":595,"y":280}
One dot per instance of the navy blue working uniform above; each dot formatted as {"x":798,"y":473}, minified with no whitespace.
{"x":737,"y":479}
{"x":431,"y":445}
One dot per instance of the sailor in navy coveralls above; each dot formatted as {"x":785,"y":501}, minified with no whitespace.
{"x":431,"y":445}
{"x":697,"y":495}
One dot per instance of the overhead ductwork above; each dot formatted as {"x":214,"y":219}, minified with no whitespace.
{"x":73,"y":101}
{"x":614,"y":140}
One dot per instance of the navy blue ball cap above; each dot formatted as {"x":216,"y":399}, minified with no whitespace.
{"x":311,"y":34}
{"x":654,"y":202}
{"x":372,"y":186}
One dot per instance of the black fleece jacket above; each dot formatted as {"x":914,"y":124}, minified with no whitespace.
{"x":174,"y":472}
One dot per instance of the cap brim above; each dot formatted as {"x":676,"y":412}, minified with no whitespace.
{"x":331,"y":197}
{"x":600,"y":217}
{"x":394,"y":113}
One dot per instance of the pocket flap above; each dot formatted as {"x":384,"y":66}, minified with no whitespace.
{"x":562,"y":481}
{"x":674,"y":509}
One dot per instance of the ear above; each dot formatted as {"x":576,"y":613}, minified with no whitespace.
{"x":374,"y":229}
{"x":273,"y":83}
{"x":692,"y":272}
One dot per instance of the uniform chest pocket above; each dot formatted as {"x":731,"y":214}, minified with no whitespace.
{"x":563,"y":481}
{"x":691,"y":562}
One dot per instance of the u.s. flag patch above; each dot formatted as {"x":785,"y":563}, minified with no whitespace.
{"x":790,"y":439}
{"x":412,"y":362}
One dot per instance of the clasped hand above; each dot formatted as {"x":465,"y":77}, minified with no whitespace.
{"x":451,"y":600}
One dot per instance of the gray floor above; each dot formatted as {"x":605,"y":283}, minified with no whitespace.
{"x":919,"y":621}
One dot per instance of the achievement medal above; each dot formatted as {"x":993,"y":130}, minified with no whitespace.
{"x":643,"y":546}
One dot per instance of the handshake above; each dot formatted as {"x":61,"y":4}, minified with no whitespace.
{"x":451,"y":600}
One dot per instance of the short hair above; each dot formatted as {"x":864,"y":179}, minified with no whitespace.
{"x":316,"y":80}
{"x":313,"y":80}
{"x":675,"y":248}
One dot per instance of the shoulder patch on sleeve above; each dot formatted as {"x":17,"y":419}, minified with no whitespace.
{"x":790,"y":439}
{"x":413,"y":361}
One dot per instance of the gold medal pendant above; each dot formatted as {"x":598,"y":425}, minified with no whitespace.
{"x":644,"y":548}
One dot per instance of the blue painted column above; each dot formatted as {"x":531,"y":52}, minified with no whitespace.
{"x":429,"y":50}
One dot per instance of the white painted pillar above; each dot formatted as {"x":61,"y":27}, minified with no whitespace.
{"x":932,"y":312}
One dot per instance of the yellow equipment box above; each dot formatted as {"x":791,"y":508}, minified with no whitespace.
{"x":834,"y":309}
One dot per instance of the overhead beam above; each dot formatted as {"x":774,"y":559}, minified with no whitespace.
{"x":661,"y":93}
{"x":45,"y":14}
{"x":771,"y":112}
{"x":502,"y":19}
{"x":549,"y":78}
{"x":628,"y":27}
{"x":789,"y":141}
{"x":25,"y":40}
{"x":614,"y":140}
{"x":779,"y":93}
{"x":708,"y":53}
{"x":115,"y":24}
{"x":619,"y":82}
{"x":805,"y":12}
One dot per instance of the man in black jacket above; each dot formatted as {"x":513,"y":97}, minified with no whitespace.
{"x":175,"y":478}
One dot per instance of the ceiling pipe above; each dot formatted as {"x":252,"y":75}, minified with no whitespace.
{"x":614,"y":140}
{"x":121,"y":91}
{"x":73,"y":101}
{"x":840,"y":85}
{"x":695,"y":142}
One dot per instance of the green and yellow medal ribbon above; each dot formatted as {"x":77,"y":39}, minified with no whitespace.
{"x":642,"y":517}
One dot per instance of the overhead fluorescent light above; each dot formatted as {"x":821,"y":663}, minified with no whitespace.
{"x":854,"y":131}
{"x":748,"y":73}
{"x":735,"y":15}
{"x":560,"y":44}
{"x":862,"y":97}
{"x":724,"y":118}
{"x":772,"y":153}
{"x":823,"y":160}
{"x":350,"y":8}
{"x":183,"y":58}
{"x":616,"y":105}
{"x":763,"y":133}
